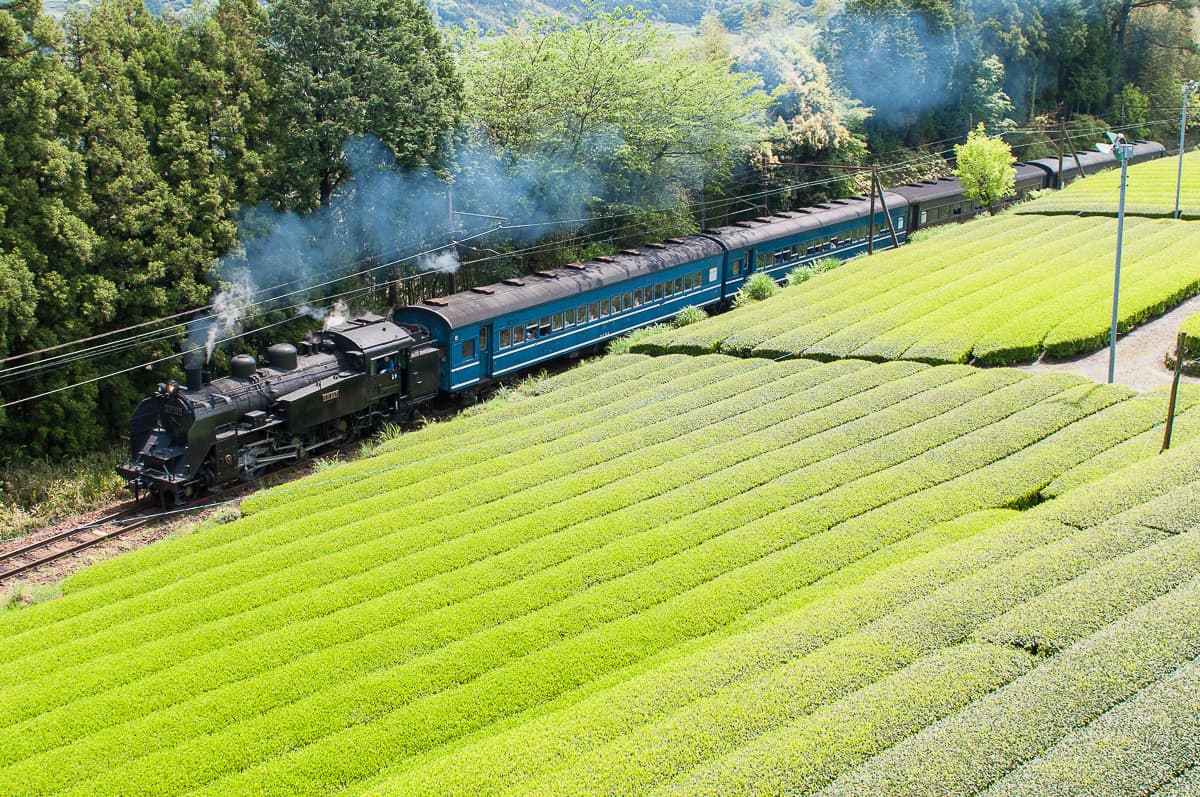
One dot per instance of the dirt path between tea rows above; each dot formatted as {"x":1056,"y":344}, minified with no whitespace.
{"x":1139,"y":354}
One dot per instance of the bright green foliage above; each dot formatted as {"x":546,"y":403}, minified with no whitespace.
{"x":757,"y":288}
{"x":1130,"y":749}
{"x":1153,"y":407}
{"x":1150,"y":191}
{"x":1186,"y":784}
{"x":803,"y":274}
{"x":1191,"y":328}
{"x":670,"y":573}
{"x":984,"y":166}
{"x":688,"y":315}
{"x":969,"y":750}
{"x":985,"y":292}
{"x":611,"y":103}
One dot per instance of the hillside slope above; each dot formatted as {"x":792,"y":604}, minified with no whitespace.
{"x":994,"y":291}
{"x":677,"y":574}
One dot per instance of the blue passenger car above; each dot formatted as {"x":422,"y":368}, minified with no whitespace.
{"x":496,"y":330}
{"x":776,"y":244}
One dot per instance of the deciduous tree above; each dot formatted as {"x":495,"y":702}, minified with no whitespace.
{"x":985,"y":167}
{"x":611,"y":103}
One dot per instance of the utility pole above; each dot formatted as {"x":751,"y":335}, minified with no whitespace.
{"x":1187,"y":88}
{"x":1123,"y":151}
{"x":1180,"y":348}
{"x":876,"y":190}
{"x":1074,"y":153}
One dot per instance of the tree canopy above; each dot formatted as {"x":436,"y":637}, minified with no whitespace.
{"x":610,"y":103}
{"x":984,"y":165}
{"x":347,"y":68}
{"x":141,"y":149}
{"x":132,"y":141}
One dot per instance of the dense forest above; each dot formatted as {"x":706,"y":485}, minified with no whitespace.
{"x":265,"y":160}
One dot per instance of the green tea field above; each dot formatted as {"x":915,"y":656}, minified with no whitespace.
{"x":660,"y":575}
{"x":1150,"y":191}
{"x":995,"y":291}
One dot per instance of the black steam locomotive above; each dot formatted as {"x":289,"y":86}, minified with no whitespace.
{"x":339,"y":384}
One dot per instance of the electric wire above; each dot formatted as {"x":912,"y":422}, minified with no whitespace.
{"x":20,"y":373}
{"x":400,"y":260}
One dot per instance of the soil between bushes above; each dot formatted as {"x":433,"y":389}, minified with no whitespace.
{"x":1139,"y":354}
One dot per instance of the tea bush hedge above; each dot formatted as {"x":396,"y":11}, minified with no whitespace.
{"x":1150,"y":191}
{"x":677,"y":574}
{"x":998,"y":291}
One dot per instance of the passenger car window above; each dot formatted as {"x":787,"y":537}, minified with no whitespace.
{"x":468,"y":349}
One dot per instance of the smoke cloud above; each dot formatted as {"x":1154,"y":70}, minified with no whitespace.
{"x":899,"y":61}
{"x":443,"y":263}
{"x":383,"y":215}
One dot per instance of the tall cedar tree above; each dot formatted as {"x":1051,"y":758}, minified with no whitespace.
{"x":348,"y":68}
{"x":46,"y":245}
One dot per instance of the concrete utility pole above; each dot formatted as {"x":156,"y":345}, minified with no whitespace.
{"x":1187,"y":88}
{"x":1123,"y":151}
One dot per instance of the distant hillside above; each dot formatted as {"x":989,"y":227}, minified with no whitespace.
{"x":486,"y":13}
{"x":57,"y":8}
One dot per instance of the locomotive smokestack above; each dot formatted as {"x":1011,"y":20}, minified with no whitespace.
{"x":193,"y":368}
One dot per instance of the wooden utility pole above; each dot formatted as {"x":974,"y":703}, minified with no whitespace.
{"x":871,"y":223}
{"x":876,"y":188}
{"x":1180,"y":347}
{"x":1074,"y":154}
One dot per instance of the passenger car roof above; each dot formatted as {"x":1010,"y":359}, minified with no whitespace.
{"x":511,"y":296}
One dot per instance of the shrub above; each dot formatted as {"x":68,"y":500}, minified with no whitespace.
{"x":688,"y":315}
{"x":999,"y":290}
{"x":802,"y":274}
{"x":663,"y":559}
{"x":1131,"y":749}
{"x":971,"y":749}
{"x":626,"y":343}
{"x":758,"y":287}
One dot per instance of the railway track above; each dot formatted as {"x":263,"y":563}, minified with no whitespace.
{"x":48,"y":549}
{"x":134,"y":515}
{"x":128,"y":517}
